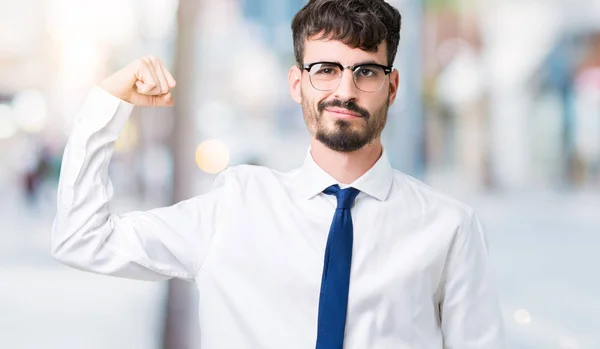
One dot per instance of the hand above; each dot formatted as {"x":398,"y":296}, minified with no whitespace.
{"x":144,"y":82}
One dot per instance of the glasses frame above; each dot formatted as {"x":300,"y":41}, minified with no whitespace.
{"x":386,"y":70}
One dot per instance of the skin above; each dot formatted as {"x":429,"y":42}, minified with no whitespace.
{"x":144,"y":82}
{"x":330,"y":126}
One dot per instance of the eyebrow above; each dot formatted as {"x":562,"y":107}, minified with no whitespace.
{"x":369,"y":62}
{"x":357,"y":64}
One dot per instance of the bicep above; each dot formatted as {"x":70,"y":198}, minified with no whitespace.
{"x":151,"y":245}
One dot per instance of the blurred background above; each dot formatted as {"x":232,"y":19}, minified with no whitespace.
{"x":499,"y":106}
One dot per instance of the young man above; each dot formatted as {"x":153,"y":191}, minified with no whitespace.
{"x":342,"y":252}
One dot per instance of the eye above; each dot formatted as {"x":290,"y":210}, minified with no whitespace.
{"x":325,"y":71}
{"x":366,"y":72}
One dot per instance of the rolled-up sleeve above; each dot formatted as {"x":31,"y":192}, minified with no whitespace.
{"x":469,"y":308}
{"x":152,"y":245}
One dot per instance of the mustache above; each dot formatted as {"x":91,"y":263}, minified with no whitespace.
{"x":348,"y":105}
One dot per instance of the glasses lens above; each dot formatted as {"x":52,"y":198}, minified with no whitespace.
{"x":369,"y":78}
{"x":325,"y":76}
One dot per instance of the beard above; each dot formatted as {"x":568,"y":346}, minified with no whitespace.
{"x":345,"y":136}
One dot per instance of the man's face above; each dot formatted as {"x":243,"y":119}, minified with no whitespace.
{"x":344,"y":118}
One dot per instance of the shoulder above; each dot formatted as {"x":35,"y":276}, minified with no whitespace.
{"x":246,"y":175}
{"x":435,"y":208}
{"x":430,"y":200}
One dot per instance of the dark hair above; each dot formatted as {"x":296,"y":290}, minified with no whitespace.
{"x":360,"y":24}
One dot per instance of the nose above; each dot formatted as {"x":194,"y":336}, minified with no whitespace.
{"x":346,"y":90}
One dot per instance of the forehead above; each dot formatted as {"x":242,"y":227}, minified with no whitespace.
{"x":337,"y":51}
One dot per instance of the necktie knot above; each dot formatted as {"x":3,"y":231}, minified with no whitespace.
{"x":345,"y":197}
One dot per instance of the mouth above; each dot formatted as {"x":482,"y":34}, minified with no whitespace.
{"x":343,"y":113}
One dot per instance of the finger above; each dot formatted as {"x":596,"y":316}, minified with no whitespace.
{"x":165,"y":100}
{"x":146,"y":80}
{"x":144,"y":88}
{"x":157,"y":90}
{"x":150,"y":70}
{"x":170,"y":80}
{"x":160,"y":74}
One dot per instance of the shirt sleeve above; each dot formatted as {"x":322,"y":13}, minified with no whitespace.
{"x":154,"y":245}
{"x":469,"y":309}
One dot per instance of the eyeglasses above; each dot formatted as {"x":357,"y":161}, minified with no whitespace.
{"x":326,"y":76}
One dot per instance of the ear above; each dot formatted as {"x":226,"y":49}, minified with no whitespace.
{"x":295,"y":83}
{"x":394,"y":82}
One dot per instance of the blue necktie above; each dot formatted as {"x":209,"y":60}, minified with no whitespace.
{"x":333,"y":300}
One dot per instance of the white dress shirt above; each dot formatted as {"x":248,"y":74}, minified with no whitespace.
{"x":254,"y":247}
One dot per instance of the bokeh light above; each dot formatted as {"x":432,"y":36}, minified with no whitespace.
{"x":212,"y":156}
{"x":522,"y":317}
{"x":30,"y":111}
{"x":129,"y":137}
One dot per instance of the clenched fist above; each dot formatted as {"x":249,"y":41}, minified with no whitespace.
{"x":145,"y":82}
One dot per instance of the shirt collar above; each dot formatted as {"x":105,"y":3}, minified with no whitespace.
{"x":376,"y":182}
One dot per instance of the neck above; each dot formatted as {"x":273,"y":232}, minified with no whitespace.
{"x":346,"y":167}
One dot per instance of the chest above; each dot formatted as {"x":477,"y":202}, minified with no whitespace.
{"x":398,"y":255}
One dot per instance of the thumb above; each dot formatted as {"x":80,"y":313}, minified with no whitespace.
{"x":143,"y":88}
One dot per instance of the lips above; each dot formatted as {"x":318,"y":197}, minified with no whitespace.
{"x":343,"y":112}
